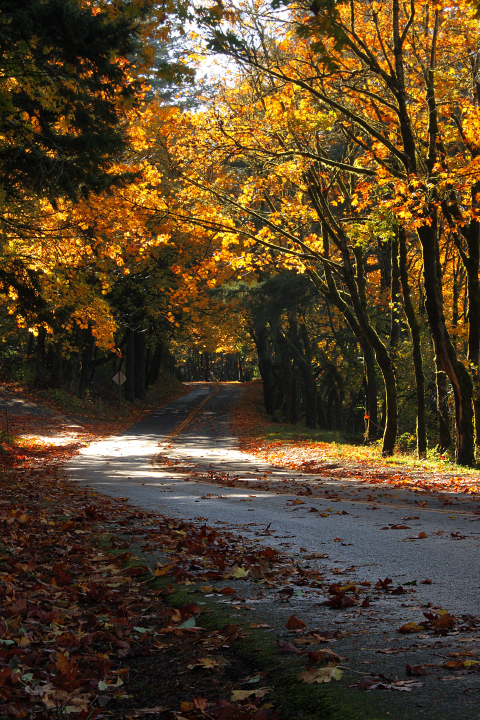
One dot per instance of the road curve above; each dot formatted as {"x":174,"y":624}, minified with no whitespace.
{"x":163,"y":463}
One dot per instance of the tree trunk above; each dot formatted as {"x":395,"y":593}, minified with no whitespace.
{"x":473,"y":287}
{"x":241,"y":375}
{"x":444,"y":434}
{"x":130,"y":366}
{"x":30,"y":344}
{"x":140,"y":350}
{"x":416,"y":345}
{"x":88,"y":347}
{"x":57,"y":366}
{"x":155,"y":364}
{"x":265,"y":367}
{"x":206,"y":367}
{"x":371,"y":400}
{"x":444,"y":350}
{"x":40,"y":379}
{"x":394,"y":294}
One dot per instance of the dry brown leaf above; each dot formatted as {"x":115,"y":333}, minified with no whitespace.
{"x":318,"y":656}
{"x":411,"y":627}
{"x":294,"y":623}
{"x":245,"y":694}
{"x":320,"y":675}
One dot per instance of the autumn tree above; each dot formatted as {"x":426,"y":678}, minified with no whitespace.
{"x":400,"y":84}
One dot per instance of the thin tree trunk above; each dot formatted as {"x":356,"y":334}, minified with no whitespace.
{"x":140,"y":350}
{"x":40,"y":379}
{"x":155,"y":364}
{"x":444,"y":434}
{"x":444,"y":350}
{"x":129,"y":366}
{"x":414,"y":328}
{"x":371,"y":399}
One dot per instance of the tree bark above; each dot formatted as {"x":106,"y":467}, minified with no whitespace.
{"x":414,"y":328}
{"x":371,"y":399}
{"x":444,"y":350}
{"x":473,"y":289}
{"x":155,"y":364}
{"x":40,"y":379}
{"x":260,"y":338}
{"x":129,"y":366}
{"x":444,"y":434}
{"x":140,"y":350}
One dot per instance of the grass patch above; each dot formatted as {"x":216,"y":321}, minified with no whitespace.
{"x":293,"y":699}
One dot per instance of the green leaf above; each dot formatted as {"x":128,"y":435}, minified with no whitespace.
{"x":187,"y":624}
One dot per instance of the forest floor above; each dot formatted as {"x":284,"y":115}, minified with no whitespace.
{"x":86,"y":626}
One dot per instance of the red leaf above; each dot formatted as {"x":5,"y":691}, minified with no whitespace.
{"x":294,"y":623}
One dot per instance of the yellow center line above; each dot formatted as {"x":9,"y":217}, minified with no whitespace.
{"x":183,"y":424}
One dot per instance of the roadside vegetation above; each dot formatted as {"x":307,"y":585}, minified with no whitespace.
{"x":325,"y":453}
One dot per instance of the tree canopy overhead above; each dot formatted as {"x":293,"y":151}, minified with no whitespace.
{"x":335,"y":167}
{"x":65,"y":75}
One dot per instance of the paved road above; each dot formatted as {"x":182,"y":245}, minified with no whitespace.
{"x":163,"y":463}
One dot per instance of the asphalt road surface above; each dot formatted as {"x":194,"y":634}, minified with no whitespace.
{"x":165,"y":463}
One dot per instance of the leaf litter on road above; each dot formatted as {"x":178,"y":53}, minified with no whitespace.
{"x":79,"y":611}
{"x":71,"y":557}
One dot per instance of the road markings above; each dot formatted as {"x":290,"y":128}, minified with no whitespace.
{"x":176,"y":431}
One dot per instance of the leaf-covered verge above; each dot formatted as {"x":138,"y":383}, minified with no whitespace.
{"x":78,"y":608}
{"x":106,"y":609}
{"x":115,"y":416}
{"x":317,"y":454}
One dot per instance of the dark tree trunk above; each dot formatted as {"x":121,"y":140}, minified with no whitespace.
{"x":206,"y":366}
{"x":371,"y":400}
{"x":416,"y":346}
{"x":30,"y":344}
{"x":444,"y":434}
{"x":241,"y":375}
{"x":155,"y":364}
{"x":88,"y":347}
{"x":57,"y":366}
{"x":473,"y":287}
{"x":265,"y":367}
{"x":140,"y":350}
{"x":395,"y":294}
{"x":40,"y":378}
{"x":130,"y":366}
{"x":444,"y":350}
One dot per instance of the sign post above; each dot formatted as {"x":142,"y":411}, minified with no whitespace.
{"x":119,"y":378}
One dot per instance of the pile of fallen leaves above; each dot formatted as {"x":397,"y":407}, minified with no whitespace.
{"x":77,"y":608}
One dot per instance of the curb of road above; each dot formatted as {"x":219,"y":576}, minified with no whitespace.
{"x":293,"y":699}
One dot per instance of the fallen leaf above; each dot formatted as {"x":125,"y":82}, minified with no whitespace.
{"x":415,"y":670}
{"x":245,"y":694}
{"x":295,"y":623}
{"x":190,"y":623}
{"x":318,"y":656}
{"x":287,"y":647}
{"x":165,"y":570}
{"x":411,"y":627}
{"x":239,"y":572}
{"x":142,"y":712}
{"x":260,"y":625}
{"x":320,"y":675}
